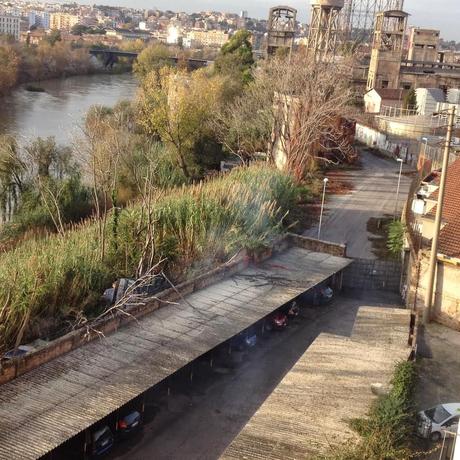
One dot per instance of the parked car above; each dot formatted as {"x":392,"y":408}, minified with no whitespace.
{"x":434,"y":422}
{"x":244,"y":340}
{"x":292,"y":310}
{"x":102,"y":441}
{"x":130,"y":423}
{"x":317,"y":296}
{"x":277,"y":321}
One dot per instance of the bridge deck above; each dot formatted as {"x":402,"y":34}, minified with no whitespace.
{"x":43,"y":408}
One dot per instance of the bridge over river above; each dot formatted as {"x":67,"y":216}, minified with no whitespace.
{"x":110,"y":57}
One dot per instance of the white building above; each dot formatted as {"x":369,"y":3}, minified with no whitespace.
{"x":10,"y":25}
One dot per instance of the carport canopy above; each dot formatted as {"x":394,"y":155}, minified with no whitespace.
{"x":47,"y":406}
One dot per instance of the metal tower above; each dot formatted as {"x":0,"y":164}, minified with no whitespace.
{"x":358,"y":16}
{"x":324,"y":30}
{"x":387,"y":50}
{"x":281,"y":28}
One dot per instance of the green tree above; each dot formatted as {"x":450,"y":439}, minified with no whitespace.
{"x":410,"y":100}
{"x":79,"y":29}
{"x":235,"y":57}
{"x":53,"y":37}
{"x":177,"y":108}
{"x":153,"y":58}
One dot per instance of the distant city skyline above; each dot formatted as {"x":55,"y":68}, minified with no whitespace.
{"x":444,"y":15}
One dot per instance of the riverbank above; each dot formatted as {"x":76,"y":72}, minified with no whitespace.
{"x":22,"y":63}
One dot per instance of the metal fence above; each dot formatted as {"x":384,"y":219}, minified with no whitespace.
{"x":369,"y":274}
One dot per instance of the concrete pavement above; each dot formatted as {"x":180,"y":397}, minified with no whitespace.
{"x":373,"y":196}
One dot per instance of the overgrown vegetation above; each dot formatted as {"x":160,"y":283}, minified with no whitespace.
{"x":395,"y":242}
{"x":136,"y":187}
{"x":61,"y":277}
{"x":385,"y":434}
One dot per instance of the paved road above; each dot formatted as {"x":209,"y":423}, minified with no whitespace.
{"x":198,"y":421}
{"x":374,"y":196}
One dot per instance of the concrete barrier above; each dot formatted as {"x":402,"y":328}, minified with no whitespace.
{"x":326,"y":247}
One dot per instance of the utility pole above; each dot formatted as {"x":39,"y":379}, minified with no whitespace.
{"x":437,"y":224}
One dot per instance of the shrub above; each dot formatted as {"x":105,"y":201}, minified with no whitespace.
{"x":385,"y":434}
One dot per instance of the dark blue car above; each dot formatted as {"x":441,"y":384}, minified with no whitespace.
{"x":102,"y":441}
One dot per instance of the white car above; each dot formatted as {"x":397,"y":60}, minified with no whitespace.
{"x":434,"y":422}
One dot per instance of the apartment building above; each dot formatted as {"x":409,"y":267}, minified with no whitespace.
{"x":10,"y":25}
{"x":63,"y":21}
{"x":205,"y":38}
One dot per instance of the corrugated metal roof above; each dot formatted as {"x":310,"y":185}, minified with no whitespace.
{"x":43,"y":408}
{"x":331,"y":384}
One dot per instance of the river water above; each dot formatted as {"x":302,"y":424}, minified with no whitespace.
{"x":60,"y":110}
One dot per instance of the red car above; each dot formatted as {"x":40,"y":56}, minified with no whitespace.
{"x":277,"y":321}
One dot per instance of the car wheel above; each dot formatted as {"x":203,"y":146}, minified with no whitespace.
{"x":435,"y":437}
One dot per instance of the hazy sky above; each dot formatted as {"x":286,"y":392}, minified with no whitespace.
{"x":441,"y":14}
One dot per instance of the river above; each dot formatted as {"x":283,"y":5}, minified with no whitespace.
{"x":60,"y":110}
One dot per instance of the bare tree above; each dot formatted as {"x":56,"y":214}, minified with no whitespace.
{"x":294,"y":108}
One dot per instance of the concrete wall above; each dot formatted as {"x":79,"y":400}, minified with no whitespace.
{"x":408,"y":149}
{"x":446,"y":308}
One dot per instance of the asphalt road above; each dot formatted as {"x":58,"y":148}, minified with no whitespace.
{"x":198,"y":420}
{"x":374,"y":196}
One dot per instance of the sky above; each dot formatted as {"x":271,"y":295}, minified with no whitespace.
{"x":437,"y":14}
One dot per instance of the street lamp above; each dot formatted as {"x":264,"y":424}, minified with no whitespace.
{"x":400,"y":161}
{"x":325,"y":181}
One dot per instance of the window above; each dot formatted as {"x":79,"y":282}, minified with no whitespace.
{"x":451,"y":422}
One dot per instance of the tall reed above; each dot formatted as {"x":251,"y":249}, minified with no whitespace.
{"x":60,"y":276}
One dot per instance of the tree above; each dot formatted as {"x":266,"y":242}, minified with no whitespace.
{"x":177,"y":108}
{"x":153,"y":58}
{"x":235,"y":57}
{"x":293,"y":110}
{"x":410,"y":100}
{"x":9,"y":68}
{"x":53,"y":37}
{"x":12,"y":170}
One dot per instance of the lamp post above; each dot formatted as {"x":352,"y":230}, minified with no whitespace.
{"x":400,"y":161}
{"x":325,"y":181}
{"x":437,"y":224}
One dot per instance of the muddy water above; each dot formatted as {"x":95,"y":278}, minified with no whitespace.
{"x":60,"y":109}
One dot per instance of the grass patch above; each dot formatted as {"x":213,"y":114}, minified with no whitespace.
{"x":63,"y":276}
{"x":386,"y":433}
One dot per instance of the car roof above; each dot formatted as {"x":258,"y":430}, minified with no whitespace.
{"x":452,"y":408}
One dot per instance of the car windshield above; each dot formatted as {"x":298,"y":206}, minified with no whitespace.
{"x":438,"y":414}
{"x":102,"y":434}
{"x":132,"y":417}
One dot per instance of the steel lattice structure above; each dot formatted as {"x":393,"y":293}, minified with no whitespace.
{"x":281,"y":28}
{"x":358,"y":16}
{"x":324,"y":33}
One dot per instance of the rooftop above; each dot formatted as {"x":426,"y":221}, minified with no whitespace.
{"x":330,"y":384}
{"x":52,"y":403}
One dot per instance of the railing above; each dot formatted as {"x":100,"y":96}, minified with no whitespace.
{"x":411,"y":116}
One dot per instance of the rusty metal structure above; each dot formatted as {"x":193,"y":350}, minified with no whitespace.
{"x":358,"y":17}
{"x":324,"y":32}
{"x":281,"y":29}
